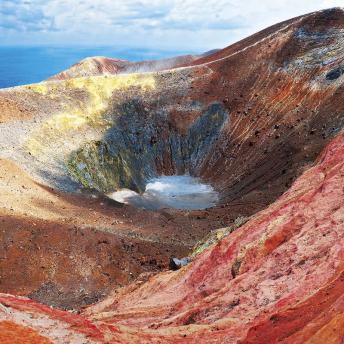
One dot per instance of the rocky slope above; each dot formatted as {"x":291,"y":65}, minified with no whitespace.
{"x":278,"y":278}
{"x":100,"y":65}
{"x":249,"y":120}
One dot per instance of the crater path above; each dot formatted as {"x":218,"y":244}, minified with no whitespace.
{"x":247,"y":120}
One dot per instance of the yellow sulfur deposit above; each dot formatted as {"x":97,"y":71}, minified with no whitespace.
{"x":99,"y":90}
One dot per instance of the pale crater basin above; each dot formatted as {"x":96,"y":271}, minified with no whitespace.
{"x":179,"y":192}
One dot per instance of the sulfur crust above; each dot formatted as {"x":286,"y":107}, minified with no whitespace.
{"x":99,"y":91}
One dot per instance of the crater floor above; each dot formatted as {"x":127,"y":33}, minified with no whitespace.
{"x":178,"y":192}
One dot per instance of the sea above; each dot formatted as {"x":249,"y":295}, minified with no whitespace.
{"x":21,"y":65}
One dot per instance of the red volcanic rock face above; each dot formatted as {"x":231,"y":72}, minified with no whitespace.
{"x":11,"y":332}
{"x":278,"y":278}
{"x":40,"y":324}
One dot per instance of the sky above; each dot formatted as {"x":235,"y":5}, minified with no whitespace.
{"x":192,"y":25}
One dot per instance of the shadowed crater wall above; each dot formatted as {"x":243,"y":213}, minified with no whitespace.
{"x":143,"y":144}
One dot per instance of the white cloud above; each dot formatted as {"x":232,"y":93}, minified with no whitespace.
{"x":160,"y":24}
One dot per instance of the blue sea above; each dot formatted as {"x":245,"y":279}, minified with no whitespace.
{"x":26,"y":65}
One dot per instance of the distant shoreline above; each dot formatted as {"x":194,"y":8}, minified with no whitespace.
{"x":21,"y":65}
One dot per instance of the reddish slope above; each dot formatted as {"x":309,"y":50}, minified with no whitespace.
{"x":279,"y":278}
{"x":91,"y":66}
{"x":103,"y":65}
{"x":322,"y":20}
{"x":282,"y":107}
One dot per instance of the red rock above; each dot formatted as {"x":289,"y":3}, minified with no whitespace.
{"x":288,"y":287}
{"x":12,"y":333}
{"x":103,"y":65}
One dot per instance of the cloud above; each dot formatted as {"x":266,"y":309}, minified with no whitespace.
{"x":22,"y":16}
{"x":166,"y":24}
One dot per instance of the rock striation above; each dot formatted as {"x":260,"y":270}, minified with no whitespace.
{"x":278,"y":278}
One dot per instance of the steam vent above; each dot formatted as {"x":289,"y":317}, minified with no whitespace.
{"x":193,"y":200}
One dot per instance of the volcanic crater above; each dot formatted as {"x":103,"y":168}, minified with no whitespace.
{"x":259,"y":123}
